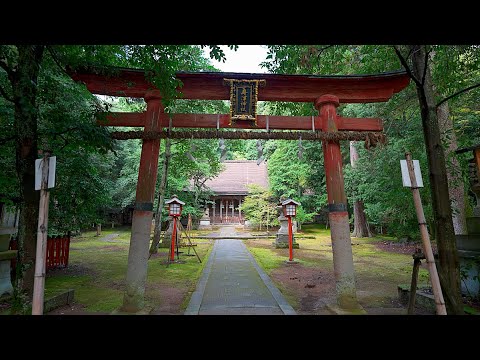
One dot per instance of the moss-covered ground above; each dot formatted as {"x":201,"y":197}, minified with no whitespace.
{"x":310,"y":285}
{"x":97,"y":269}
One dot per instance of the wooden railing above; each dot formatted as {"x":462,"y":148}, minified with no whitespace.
{"x":58,"y":251}
{"x":227,"y":220}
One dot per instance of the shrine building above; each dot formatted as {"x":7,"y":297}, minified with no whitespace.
{"x":230,"y":188}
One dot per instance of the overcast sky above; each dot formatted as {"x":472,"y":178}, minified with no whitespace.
{"x":246,"y":59}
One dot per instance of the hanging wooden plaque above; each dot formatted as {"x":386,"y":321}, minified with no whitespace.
{"x":243,"y":100}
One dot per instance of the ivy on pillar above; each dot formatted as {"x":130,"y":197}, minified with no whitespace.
{"x":133,"y":300}
{"x":337,"y":206}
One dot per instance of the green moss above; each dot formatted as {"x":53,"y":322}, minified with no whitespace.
{"x":97,"y":270}
{"x":377,"y":272}
{"x":267,"y":259}
{"x":470,"y":310}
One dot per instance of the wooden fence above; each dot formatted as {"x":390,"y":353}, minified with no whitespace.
{"x":227,"y":220}
{"x":58,"y":250}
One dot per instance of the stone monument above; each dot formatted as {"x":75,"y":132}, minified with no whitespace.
{"x":167,"y":237}
{"x":7,"y":228}
{"x":205,"y":220}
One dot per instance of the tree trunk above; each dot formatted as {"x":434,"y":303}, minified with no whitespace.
{"x":24,"y":85}
{"x":161,"y":196}
{"x":360,"y":225}
{"x":449,"y":270}
{"x":454,"y":172}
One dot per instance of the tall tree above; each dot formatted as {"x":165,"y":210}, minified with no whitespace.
{"x":22,"y":66}
{"x":161,"y":193}
{"x":260,"y":207}
{"x":449,"y":269}
{"x":360,"y":224}
{"x":454,"y":173}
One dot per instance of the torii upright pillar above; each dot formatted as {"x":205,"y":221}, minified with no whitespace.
{"x":337,"y":206}
{"x":133,"y":300}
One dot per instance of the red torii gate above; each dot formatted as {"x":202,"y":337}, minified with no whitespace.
{"x":326,"y":92}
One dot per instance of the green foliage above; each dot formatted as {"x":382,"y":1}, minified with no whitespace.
{"x":81,"y":192}
{"x":90,"y":177}
{"x":302,"y":216}
{"x":287,"y":175}
{"x":299,"y":179}
{"x":376,"y":180}
{"x":260,"y":207}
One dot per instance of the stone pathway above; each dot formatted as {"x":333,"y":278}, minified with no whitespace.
{"x":110,"y":237}
{"x":232,"y":283}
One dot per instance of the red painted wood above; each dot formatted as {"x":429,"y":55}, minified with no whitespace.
{"x":290,"y":239}
{"x":360,"y":124}
{"x":131,"y":83}
{"x":57,"y":251}
{"x":50,"y":253}
{"x":174,"y":236}
{"x":147,"y":173}
{"x":124,"y":119}
{"x":60,"y":250}
{"x":327,"y":106}
{"x":62,"y":255}
{"x":67,"y":252}
{"x":274,"y":122}
{"x":210,"y":86}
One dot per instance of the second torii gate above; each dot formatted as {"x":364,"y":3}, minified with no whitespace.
{"x":325,"y":92}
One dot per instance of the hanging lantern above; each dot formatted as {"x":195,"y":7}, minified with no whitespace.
{"x":290,"y":207}
{"x":289,"y":210}
{"x":174,"y":206}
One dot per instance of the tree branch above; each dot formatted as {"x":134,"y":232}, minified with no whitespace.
{"x":323,"y":49}
{"x":458,"y":93}
{"x":403,"y":61}
{"x":5,"y":95}
{"x":4,"y":66}
{"x":410,"y":52}
{"x":5,"y":140}
{"x":53,"y":133}
{"x":55,"y":59}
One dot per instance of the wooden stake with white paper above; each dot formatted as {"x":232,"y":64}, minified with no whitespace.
{"x":427,"y":247}
{"x":44,"y":179}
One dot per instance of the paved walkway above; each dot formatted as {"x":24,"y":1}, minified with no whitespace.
{"x":232,"y":283}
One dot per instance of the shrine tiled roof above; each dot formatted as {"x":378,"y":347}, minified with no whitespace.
{"x":237,"y":175}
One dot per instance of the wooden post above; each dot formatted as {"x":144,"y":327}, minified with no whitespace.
{"x":214,"y":208}
{"x":337,"y":206}
{"x":413,"y":285}
{"x":427,"y":247}
{"x":133,"y":299}
{"x":42,"y":232}
{"x":174,"y":238}
{"x":290,"y":239}
{"x":476,"y":157}
{"x":221,"y":211}
{"x":226,"y":211}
